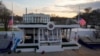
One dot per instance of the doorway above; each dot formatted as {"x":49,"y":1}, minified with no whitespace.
{"x":29,"y":38}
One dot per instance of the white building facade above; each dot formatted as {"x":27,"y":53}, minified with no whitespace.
{"x":35,"y":18}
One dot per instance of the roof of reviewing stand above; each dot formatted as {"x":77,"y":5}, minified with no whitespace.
{"x":43,"y":26}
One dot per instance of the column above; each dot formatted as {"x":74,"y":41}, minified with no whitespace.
{"x":39,"y":36}
{"x":57,"y":35}
{"x":53,"y":36}
{"x":24,"y":36}
{"x":34,"y":20}
{"x":60,"y":36}
{"x":33,"y":36}
{"x":37,"y":20}
{"x":47,"y":35}
{"x":42,"y":34}
{"x":69,"y":34}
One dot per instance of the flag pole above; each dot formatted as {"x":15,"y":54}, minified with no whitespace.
{"x":12,"y":18}
{"x":76,"y":33}
{"x":12,"y":15}
{"x":78,"y":13}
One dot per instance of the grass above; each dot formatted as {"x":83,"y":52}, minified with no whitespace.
{"x":2,"y":29}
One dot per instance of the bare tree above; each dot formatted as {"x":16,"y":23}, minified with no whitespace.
{"x":4,"y":15}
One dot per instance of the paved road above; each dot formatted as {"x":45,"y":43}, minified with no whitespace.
{"x":81,"y":52}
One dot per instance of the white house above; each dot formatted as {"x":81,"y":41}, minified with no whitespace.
{"x":35,"y":18}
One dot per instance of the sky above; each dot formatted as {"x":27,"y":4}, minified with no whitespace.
{"x":62,"y":8}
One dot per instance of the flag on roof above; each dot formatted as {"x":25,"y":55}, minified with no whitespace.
{"x":82,"y":22}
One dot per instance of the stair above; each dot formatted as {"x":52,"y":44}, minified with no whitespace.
{"x":71,"y":45}
{"x":27,"y":47}
{"x":50,"y":48}
{"x":91,"y":43}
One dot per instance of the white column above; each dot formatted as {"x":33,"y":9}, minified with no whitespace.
{"x":26,"y":18}
{"x":47,"y":36}
{"x":34,"y":35}
{"x":34,"y":20}
{"x":52,"y":36}
{"x":60,"y":36}
{"x":69,"y":34}
{"x":42,"y":34}
{"x":57,"y":34}
{"x":39,"y":36}
{"x":42,"y":19}
{"x":24,"y":35}
{"x":45,"y":19}
{"x":37,"y":20}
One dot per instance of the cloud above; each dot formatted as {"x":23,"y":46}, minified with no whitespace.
{"x":71,"y":7}
{"x":75,"y":8}
{"x":72,"y":2}
{"x":59,"y":7}
{"x":18,"y":9}
{"x":63,"y":12}
{"x":56,"y":9}
{"x":94,"y":5}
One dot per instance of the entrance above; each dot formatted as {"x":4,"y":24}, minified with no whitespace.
{"x":31,"y":35}
{"x":49,"y":40}
{"x":50,"y":37}
{"x":29,"y":38}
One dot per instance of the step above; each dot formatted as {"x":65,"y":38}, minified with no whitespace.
{"x":27,"y":48}
{"x":70,"y":46}
{"x":49,"y":48}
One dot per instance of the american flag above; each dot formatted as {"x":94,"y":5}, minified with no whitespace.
{"x":10,"y":23}
{"x":82,"y":22}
